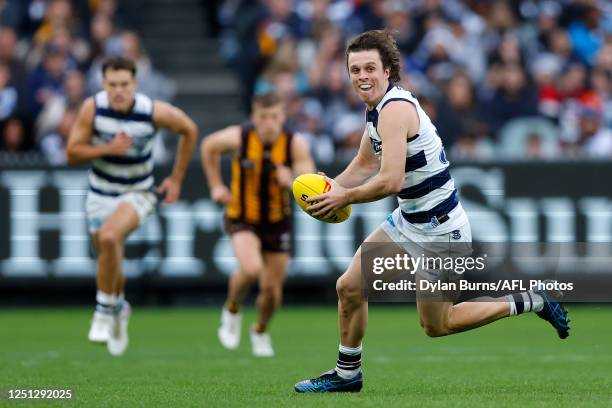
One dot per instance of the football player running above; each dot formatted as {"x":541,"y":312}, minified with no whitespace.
{"x":401,"y":153}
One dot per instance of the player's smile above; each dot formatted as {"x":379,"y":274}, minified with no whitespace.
{"x":367,"y":75}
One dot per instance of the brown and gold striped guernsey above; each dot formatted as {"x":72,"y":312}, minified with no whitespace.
{"x":254,"y":167}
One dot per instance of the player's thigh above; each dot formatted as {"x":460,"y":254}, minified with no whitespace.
{"x":275,"y":268}
{"x":351,"y":279}
{"x":120,"y":224}
{"x":247,"y":250}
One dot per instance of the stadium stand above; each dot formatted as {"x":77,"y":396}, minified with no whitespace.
{"x":477,"y":64}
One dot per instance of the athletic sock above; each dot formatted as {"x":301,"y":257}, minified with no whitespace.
{"x":233,"y":307}
{"x":525,"y":302}
{"x":106,"y":303}
{"x":349,"y":361}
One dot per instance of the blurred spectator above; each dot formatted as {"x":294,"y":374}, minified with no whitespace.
{"x":53,"y":144}
{"x":103,"y":36}
{"x":399,"y":20}
{"x":347,"y":134}
{"x":561,"y":46}
{"x":18,"y":74}
{"x":47,"y":79}
{"x":150,"y":81}
{"x":76,"y":50}
{"x":8,"y":95}
{"x":58,"y":15}
{"x":472,"y":144}
{"x":458,"y":107}
{"x":586,"y":33}
{"x":367,"y":15}
{"x":337,"y":96}
{"x":255,"y":32}
{"x":601,"y":82}
{"x":283,"y":73}
{"x":546,"y":71}
{"x":508,"y":52}
{"x":315,"y":56}
{"x":593,"y":140}
{"x":309,"y":124}
{"x":13,"y":136}
{"x":604,"y":57}
{"x":73,"y":95}
{"x":513,"y":98}
{"x":501,"y":20}
{"x":107,"y":8}
{"x":530,"y":138}
{"x":536,"y":37}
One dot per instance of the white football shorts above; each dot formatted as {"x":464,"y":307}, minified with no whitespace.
{"x":456,"y":243}
{"x":100,"y":207}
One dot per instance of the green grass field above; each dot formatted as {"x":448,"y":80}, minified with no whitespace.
{"x":174,"y":359}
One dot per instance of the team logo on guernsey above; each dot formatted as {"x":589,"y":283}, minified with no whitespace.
{"x":376,"y":144}
{"x":456,"y":234}
{"x":434,"y":222}
{"x":443,"y":157}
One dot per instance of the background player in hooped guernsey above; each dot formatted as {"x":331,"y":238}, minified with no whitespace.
{"x":115,"y":130}
{"x":267,"y":156}
{"x":401,"y":153}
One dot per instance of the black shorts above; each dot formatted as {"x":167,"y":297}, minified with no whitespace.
{"x":274,"y":237}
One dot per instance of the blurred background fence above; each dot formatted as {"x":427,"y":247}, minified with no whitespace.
{"x":521,"y":93}
{"x":182,"y":255}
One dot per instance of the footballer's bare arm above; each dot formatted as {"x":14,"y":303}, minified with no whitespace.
{"x":212,"y":147}
{"x":170,"y":117}
{"x":301,"y":162}
{"x":398,"y":120}
{"x":363,"y":166}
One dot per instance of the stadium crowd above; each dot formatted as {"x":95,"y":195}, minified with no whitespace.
{"x":50,"y":57}
{"x":500,"y":79}
{"x":528,"y":79}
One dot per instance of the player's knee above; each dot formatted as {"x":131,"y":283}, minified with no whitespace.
{"x":268,"y":290}
{"x":346,"y":290}
{"x":252,"y":271}
{"x":435,"y":330}
{"x":108,"y":238}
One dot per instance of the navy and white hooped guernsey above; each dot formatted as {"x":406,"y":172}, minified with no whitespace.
{"x":132,"y":171}
{"x":428,"y":199}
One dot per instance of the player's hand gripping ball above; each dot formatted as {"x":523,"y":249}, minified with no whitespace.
{"x":308,"y":185}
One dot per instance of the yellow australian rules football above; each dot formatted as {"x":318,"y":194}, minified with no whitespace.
{"x":308,"y":185}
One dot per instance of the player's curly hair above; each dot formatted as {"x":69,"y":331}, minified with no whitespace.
{"x":384,"y":43}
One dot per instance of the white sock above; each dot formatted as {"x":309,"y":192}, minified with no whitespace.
{"x":106,"y":302}
{"x":537,"y":302}
{"x":349,"y":361}
{"x":106,"y":299}
{"x":525,"y":302}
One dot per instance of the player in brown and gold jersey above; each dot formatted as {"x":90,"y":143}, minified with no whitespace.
{"x":266,"y":157}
